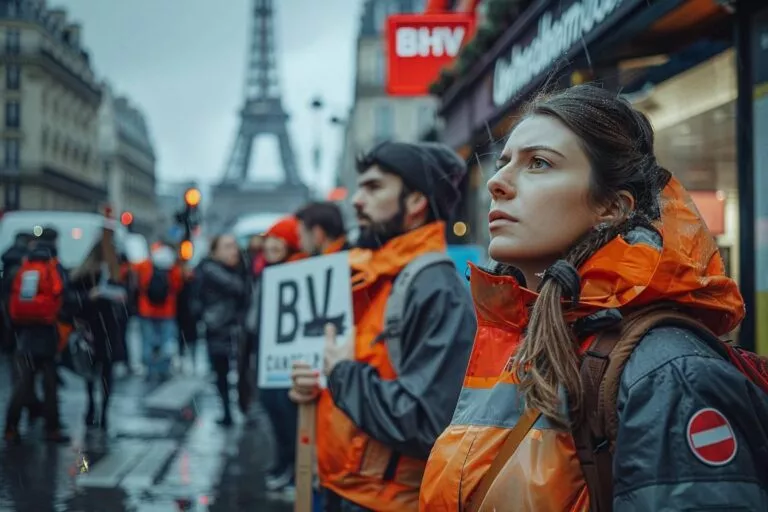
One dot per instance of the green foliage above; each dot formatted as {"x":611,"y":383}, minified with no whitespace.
{"x":500,"y":15}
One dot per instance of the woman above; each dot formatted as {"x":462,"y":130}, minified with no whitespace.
{"x":281,"y":245}
{"x":102,"y":312}
{"x":223,"y":299}
{"x":588,"y":228}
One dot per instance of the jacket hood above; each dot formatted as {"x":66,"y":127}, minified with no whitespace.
{"x":680,"y":264}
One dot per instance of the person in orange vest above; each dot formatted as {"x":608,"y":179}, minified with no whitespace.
{"x":321,"y":229}
{"x":160,"y":279}
{"x":391,"y":391}
{"x":590,"y":232}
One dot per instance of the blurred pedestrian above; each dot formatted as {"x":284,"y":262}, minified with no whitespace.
{"x":281,"y":245}
{"x":321,"y":229}
{"x":160,"y":281}
{"x":223,"y":300}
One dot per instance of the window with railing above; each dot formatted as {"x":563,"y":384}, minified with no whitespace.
{"x":12,"y":114}
{"x":11,"y":154}
{"x":12,"y":77}
{"x":13,"y":42}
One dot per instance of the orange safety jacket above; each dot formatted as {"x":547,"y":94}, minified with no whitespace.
{"x":350,"y":463}
{"x":631,"y":271}
{"x":167,"y":310}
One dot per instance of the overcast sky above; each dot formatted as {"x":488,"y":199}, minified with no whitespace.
{"x":183,"y":63}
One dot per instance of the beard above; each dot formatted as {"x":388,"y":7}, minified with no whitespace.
{"x":376,"y":234}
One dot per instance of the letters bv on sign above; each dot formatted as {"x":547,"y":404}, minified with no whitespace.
{"x":553,"y":40}
{"x":298,"y":300}
{"x":419,"y":46}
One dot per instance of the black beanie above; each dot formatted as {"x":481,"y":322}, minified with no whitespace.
{"x":431,"y":168}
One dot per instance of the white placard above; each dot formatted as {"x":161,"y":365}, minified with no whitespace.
{"x":298,"y":300}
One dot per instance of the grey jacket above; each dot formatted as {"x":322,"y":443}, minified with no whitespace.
{"x":409,"y":413}
{"x":670,"y":377}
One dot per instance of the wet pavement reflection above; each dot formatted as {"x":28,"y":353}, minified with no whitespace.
{"x":148,"y":461}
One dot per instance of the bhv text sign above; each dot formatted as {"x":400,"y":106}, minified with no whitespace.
{"x":419,"y":46}
{"x":298,"y":300}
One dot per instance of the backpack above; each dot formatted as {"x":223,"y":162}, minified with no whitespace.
{"x":37,"y":293}
{"x":395,"y":308}
{"x":601,"y":370}
{"x":159,"y":286}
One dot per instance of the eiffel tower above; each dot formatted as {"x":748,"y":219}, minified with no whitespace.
{"x":262,"y":114}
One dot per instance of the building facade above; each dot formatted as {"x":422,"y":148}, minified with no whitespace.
{"x":128,"y":158}
{"x":50,"y":101}
{"x":697,"y":68}
{"x":375,"y":116}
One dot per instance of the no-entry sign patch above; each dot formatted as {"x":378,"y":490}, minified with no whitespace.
{"x":711,"y":438}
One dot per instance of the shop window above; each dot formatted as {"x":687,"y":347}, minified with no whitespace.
{"x":12,"y":77}
{"x":12,"y":154}
{"x":384,"y":123}
{"x":13,"y":42}
{"x":12,"y":114}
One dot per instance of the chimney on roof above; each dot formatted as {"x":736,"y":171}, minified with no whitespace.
{"x":72,"y":33}
{"x":58,"y":18}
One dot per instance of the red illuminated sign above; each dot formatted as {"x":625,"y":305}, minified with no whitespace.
{"x":419,"y":46}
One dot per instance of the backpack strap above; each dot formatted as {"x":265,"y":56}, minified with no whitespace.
{"x":395,"y":309}
{"x":601,"y":368}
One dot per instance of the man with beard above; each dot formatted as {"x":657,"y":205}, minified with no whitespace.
{"x":392,"y":390}
{"x":321,"y":229}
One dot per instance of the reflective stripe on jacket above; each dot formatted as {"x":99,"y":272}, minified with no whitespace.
{"x":375,"y":428}
{"x":544,"y":474}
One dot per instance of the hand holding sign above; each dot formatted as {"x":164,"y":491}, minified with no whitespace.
{"x":335,"y":352}
{"x":306,"y":383}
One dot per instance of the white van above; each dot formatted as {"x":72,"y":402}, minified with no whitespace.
{"x":78,"y":232}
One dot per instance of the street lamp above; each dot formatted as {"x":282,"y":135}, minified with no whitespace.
{"x":317,"y":105}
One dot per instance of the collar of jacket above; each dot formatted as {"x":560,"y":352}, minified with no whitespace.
{"x":336,"y":246}
{"x":683,"y":267}
{"x":368,"y":266}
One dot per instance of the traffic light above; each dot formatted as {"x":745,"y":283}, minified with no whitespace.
{"x":192,"y":197}
{"x":189,"y":220}
{"x":186,"y":250}
{"x":126,"y":219}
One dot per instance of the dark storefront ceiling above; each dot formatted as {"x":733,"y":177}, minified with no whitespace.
{"x":675,"y":34}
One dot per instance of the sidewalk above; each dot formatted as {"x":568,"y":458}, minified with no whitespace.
{"x":164,"y":451}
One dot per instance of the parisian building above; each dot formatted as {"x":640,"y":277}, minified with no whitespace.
{"x":374,"y":116}
{"x":50,"y":103}
{"x":129,"y":161}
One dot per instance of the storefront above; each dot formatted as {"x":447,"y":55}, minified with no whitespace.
{"x":675,"y":60}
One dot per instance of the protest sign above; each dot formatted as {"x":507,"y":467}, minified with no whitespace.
{"x":298,"y":300}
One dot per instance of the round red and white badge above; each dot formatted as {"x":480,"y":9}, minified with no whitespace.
{"x":711,"y":438}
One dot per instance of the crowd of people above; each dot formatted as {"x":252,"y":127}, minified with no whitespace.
{"x":582,"y":370}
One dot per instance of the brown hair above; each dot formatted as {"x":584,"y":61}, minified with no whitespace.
{"x":618,"y":141}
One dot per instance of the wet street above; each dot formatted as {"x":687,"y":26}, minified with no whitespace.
{"x":164,"y":451}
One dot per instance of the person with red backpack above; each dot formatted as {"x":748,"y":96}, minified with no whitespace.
{"x":597,"y":380}
{"x":35,"y":304}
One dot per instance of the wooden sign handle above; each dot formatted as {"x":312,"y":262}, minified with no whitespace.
{"x":305,"y":459}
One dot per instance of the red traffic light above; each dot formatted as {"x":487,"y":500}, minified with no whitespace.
{"x":192,"y":197}
{"x":126,"y":218}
